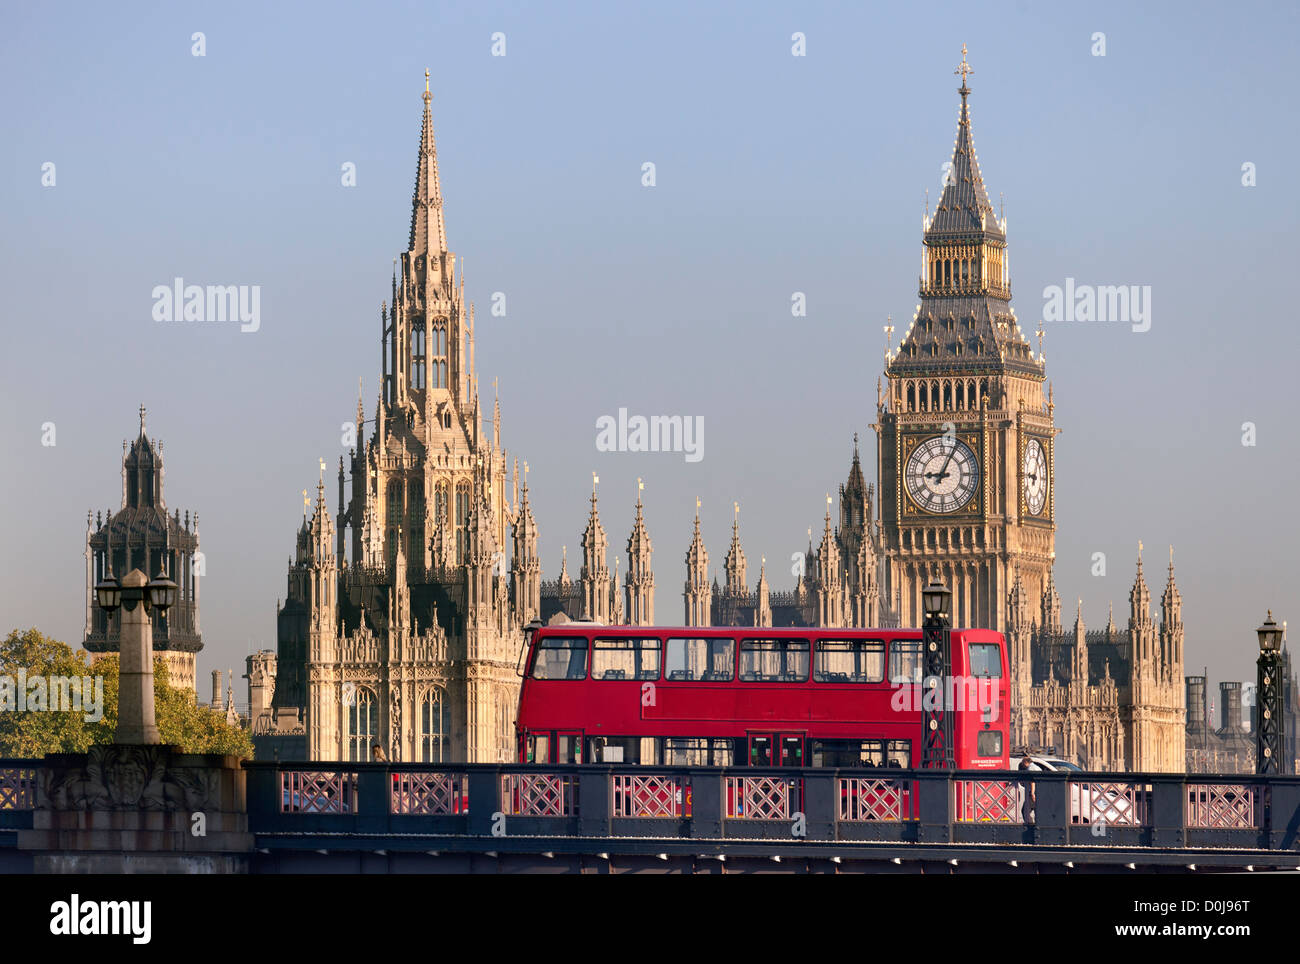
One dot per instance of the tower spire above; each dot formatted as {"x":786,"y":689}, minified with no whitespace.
{"x":428,"y":233}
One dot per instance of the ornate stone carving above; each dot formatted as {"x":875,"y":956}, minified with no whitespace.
{"x":128,"y":778}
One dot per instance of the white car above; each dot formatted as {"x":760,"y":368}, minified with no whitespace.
{"x":1112,"y":807}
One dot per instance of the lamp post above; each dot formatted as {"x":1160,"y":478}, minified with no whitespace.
{"x":936,"y":741}
{"x":138,"y":597}
{"x":1268,"y":701}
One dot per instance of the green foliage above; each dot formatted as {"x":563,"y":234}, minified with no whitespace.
{"x":181,"y":722}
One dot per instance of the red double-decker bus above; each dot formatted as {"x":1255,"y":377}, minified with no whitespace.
{"x":758,"y":696}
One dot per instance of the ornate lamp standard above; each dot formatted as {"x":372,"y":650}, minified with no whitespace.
{"x":936,"y":748}
{"x":1268,"y":701}
{"x":136,"y":722}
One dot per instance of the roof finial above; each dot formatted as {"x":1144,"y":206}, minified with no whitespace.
{"x":142,"y":418}
{"x":428,"y":96}
{"x":964,"y":68}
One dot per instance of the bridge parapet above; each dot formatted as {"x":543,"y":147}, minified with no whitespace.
{"x":1166,"y":811}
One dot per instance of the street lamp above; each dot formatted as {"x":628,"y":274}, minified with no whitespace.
{"x":136,"y":595}
{"x":108,"y":592}
{"x":936,"y":741}
{"x":934,"y":599}
{"x":162,"y":593}
{"x":1268,"y":700}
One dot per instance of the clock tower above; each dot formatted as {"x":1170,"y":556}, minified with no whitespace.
{"x":965,"y":436}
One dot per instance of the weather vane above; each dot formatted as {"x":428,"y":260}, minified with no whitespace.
{"x":965,"y":68}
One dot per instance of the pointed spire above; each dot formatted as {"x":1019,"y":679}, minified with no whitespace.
{"x":361,"y":417}
{"x":428,"y":233}
{"x":1051,"y":605}
{"x":964,"y":206}
{"x":1139,"y":595}
{"x":735,"y":565}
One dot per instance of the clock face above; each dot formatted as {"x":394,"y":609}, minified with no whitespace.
{"x":942,"y":474}
{"x":1035,"y":474}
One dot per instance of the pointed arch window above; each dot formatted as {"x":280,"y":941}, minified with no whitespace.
{"x":435,"y":727}
{"x":362,"y":719}
{"x":418,"y":357}
{"x":438,"y":356}
{"x":462,"y":522}
{"x":415,"y":509}
{"x":394,"y":519}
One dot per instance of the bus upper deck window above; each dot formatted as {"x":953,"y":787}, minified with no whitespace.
{"x":905,"y":661}
{"x":700,"y":659}
{"x":985,"y":660}
{"x":561,"y":657}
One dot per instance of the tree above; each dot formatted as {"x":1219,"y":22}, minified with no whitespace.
{"x":40,"y":726}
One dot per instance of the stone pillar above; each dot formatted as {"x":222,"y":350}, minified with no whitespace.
{"x":135,"y":709}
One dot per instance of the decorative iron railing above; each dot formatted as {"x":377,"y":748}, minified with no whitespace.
{"x":538,"y":794}
{"x":988,"y":801}
{"x":428,"y":794}
{"x":1229,"y":806}
{"x":318,"y":791}
{"x":866,"y":798}
{"x":17,"y":788}
{"x":762,"y":798}
{"x":1112,"y":803}
{"x":1165,"y":812}
{"x":650,"y":796}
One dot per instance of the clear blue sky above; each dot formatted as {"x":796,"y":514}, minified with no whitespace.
{"x":775,"y":174}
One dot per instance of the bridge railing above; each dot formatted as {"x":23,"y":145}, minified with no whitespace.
{"x":1163,"y":810}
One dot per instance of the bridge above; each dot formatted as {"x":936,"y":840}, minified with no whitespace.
{"x":278,"y":817}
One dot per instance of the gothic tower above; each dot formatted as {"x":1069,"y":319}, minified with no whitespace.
{"x":698,"y":594}
{"x":640,"y":585}
{"x":142,"y":536}
{"x":408,"y":639}
{"x":594,"y":578}
{"x":526,"y":567}
{"x":964,"y":434}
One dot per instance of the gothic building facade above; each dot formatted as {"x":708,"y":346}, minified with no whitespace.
{"x":965,"y":494}
{"x":141,"y":535}
{"x":402,"y":623}
{"x":407,"y":636}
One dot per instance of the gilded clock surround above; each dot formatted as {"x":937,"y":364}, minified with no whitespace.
{"x":972,"y":506}
{"x":1046,"y":515}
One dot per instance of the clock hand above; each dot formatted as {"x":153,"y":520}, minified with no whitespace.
{"x":943,"y":472}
